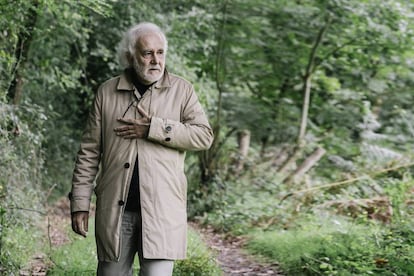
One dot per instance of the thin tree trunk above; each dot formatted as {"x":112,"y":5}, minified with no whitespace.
{"x":17,"y":87}
{"x":208,"y":159}
{"x":25,"y":36}
{"x":243,"y":139}
{"x":307,"y":83}
{"x":306,"y":91}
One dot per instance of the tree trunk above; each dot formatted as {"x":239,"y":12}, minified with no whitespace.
{"x":17,"y":88}
{"x":306,"y":91}
{"x":25,"y":36}
{"x":307,"y":84}
{"x":204,"y":162}
{"x":243,"y":139}
{"x":208,"y":160}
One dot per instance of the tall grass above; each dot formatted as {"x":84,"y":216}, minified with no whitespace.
{"x":20,"y":244}
{"x":78,"y":257}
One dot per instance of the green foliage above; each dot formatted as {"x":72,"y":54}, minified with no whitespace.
{"x":203,"y":199}
{"x":236,"y":208}
{"x":26,"y":130}
{"x":58,"y":60}
{"x":291,"y":235}
{"x":200,"y":260}
{"x":256,"y":53}
{"x":399,"y":192}
{"x":19,"y":244}
{"x":204,"y":196}
{"x":338,"y":247}
{"x":79,"y":257}
{"x":20,"y":194}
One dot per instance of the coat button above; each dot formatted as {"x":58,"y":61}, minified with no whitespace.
{"x":126,"y":165}
{"x":168,"y":128}
{"x":121,"y":203}
{"x":168,"y":139}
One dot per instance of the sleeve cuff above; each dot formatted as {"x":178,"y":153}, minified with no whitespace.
{"x":161,"y":130}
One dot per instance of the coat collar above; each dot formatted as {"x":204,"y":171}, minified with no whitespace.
{"x":125,"y":83}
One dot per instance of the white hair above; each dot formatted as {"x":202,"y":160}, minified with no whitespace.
{"x":127,"y":45}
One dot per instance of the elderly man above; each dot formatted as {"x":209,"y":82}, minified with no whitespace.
{"x":138,"y":130}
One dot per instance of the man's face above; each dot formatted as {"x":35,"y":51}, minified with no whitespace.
{"x":149,"y":59}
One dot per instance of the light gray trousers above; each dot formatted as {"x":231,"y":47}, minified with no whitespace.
{"x":131,"y":245}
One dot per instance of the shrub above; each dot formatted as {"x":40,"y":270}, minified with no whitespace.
{"x":200,"y":261}
{"x":21,"y":198}
{"x":19,"y":243}
{"x":339,"y":248}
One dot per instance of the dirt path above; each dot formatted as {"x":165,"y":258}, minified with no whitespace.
{"x":230,"y":256}
{"x":232,"y":259}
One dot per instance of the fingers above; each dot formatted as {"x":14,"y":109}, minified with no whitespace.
{"x":78,"y":226}
{"x":137,"y":132}
{"x":127,"y":131}
{"x":126,"y":120}
{"x":123,"y":129}
{"x":134,"y":122}
{"x":138,"y":129}
{"x":80,"y":223}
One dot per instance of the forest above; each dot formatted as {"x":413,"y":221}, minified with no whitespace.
{"x":311,"y":103}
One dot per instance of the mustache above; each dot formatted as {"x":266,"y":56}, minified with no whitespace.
{"x":138,"y":66}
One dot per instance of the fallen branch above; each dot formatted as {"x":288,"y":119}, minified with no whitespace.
{"x":27,"y":209}
{"x":306,"y":165}
{"x":348,"y":181}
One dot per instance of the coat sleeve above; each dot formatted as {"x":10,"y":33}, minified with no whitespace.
{"x":87,"y":161}
{"x":192,"y":132}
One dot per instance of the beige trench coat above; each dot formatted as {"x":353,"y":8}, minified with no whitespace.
{"x":178,"y":123}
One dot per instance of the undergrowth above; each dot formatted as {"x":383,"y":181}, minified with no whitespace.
{"x":339,"y":247}
{"x":79,"y":257}
{"x":200,"y":260}
{"x":19,"y":245}
{"x":361,"y":226}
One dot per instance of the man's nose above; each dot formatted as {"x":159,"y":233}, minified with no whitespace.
{"x":155,"y":59}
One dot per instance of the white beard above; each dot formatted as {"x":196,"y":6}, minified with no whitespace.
{"x":145,"y":77}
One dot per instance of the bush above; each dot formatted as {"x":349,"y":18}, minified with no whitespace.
{"x":251,"y":200}
{"x":200,"y":261}
{"x":21,"y":198}
{"x":19,"y":245}
{"x":339,"y":248}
